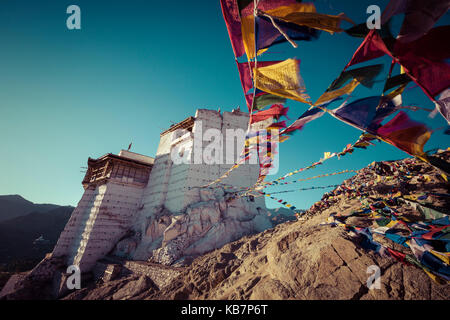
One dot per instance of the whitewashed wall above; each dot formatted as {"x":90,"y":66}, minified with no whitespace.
{"x":101,"y":218}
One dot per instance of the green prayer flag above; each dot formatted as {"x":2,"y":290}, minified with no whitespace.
{"x":364,"y":75}
{"x":268,"y":99}
{"x":396,"y":81}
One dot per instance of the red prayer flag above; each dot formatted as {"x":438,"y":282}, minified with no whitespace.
{"x":276,"y":111}
{"x":232,"y":19}
{"x":405,"y":134}
{"x":424,"y":59}
{"x":371,"y":48}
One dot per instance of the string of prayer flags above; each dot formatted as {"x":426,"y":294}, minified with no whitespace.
{"x":276,"y":111}
{"x":421,"y":51}
{"x":428,"y":240}
{"x":282,"y":202}
{"x":315,"y":164}
{"x":301,"y":189}
{"x":405,"y":134}
{"x":267,"y":152}
{"x":327,"y":155}
{"x":254,"y":140}
{"x":276,"y":182}
{"x":364,"y":141}
{"x":282,"y":79}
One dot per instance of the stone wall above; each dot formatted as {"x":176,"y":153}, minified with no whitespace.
{"x":161,"y":275}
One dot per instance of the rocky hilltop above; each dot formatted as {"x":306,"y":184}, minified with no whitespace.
{"x":325,"y":254}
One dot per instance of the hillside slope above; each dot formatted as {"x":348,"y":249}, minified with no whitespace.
{"x":17,"y":235}
{"x":317,"y":257}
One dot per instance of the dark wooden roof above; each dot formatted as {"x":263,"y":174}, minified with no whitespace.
{"x":116,"y":157}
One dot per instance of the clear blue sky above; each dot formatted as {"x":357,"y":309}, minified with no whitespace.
{"x":134,"y":68}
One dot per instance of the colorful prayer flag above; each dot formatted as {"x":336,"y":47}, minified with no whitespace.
{"x":276,"y":111}
{"x":233,"y":22}
{"x":263,"y":99}
{"x":443,"y":104}
{"x":325,"y":22}
{"x":420,"y":16}
{"x":371,"y":48}
{"x":331,"y":95}
{"x":282,"y":79}
{"x":405,"y":134}
{"x":306,"y":117}
{"x":366,"y":113}
{"x":365,"y":76}
{"x":425,"y":60}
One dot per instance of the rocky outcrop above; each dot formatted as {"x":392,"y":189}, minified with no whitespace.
{"x":134,"y":287}
{"x":218,"y":218}
{"x":35,"y":284}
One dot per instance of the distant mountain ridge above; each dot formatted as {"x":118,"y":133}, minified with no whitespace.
{"x":22,"y":222}
{"x":13,"y":206}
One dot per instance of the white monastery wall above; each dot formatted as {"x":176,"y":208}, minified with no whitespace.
{"x":171,"y":216}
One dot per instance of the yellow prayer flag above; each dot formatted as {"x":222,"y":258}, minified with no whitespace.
{"x":248,"y":36}
{"x":442,"y":256}
{"x":326,"y":22}
{"x":330,"y":95}
{"x":283,"y":11}
{"x":391,"y":224}
{"x":434,"y":277}
{"x":282,"y":79}
{"x":398,"y":194}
